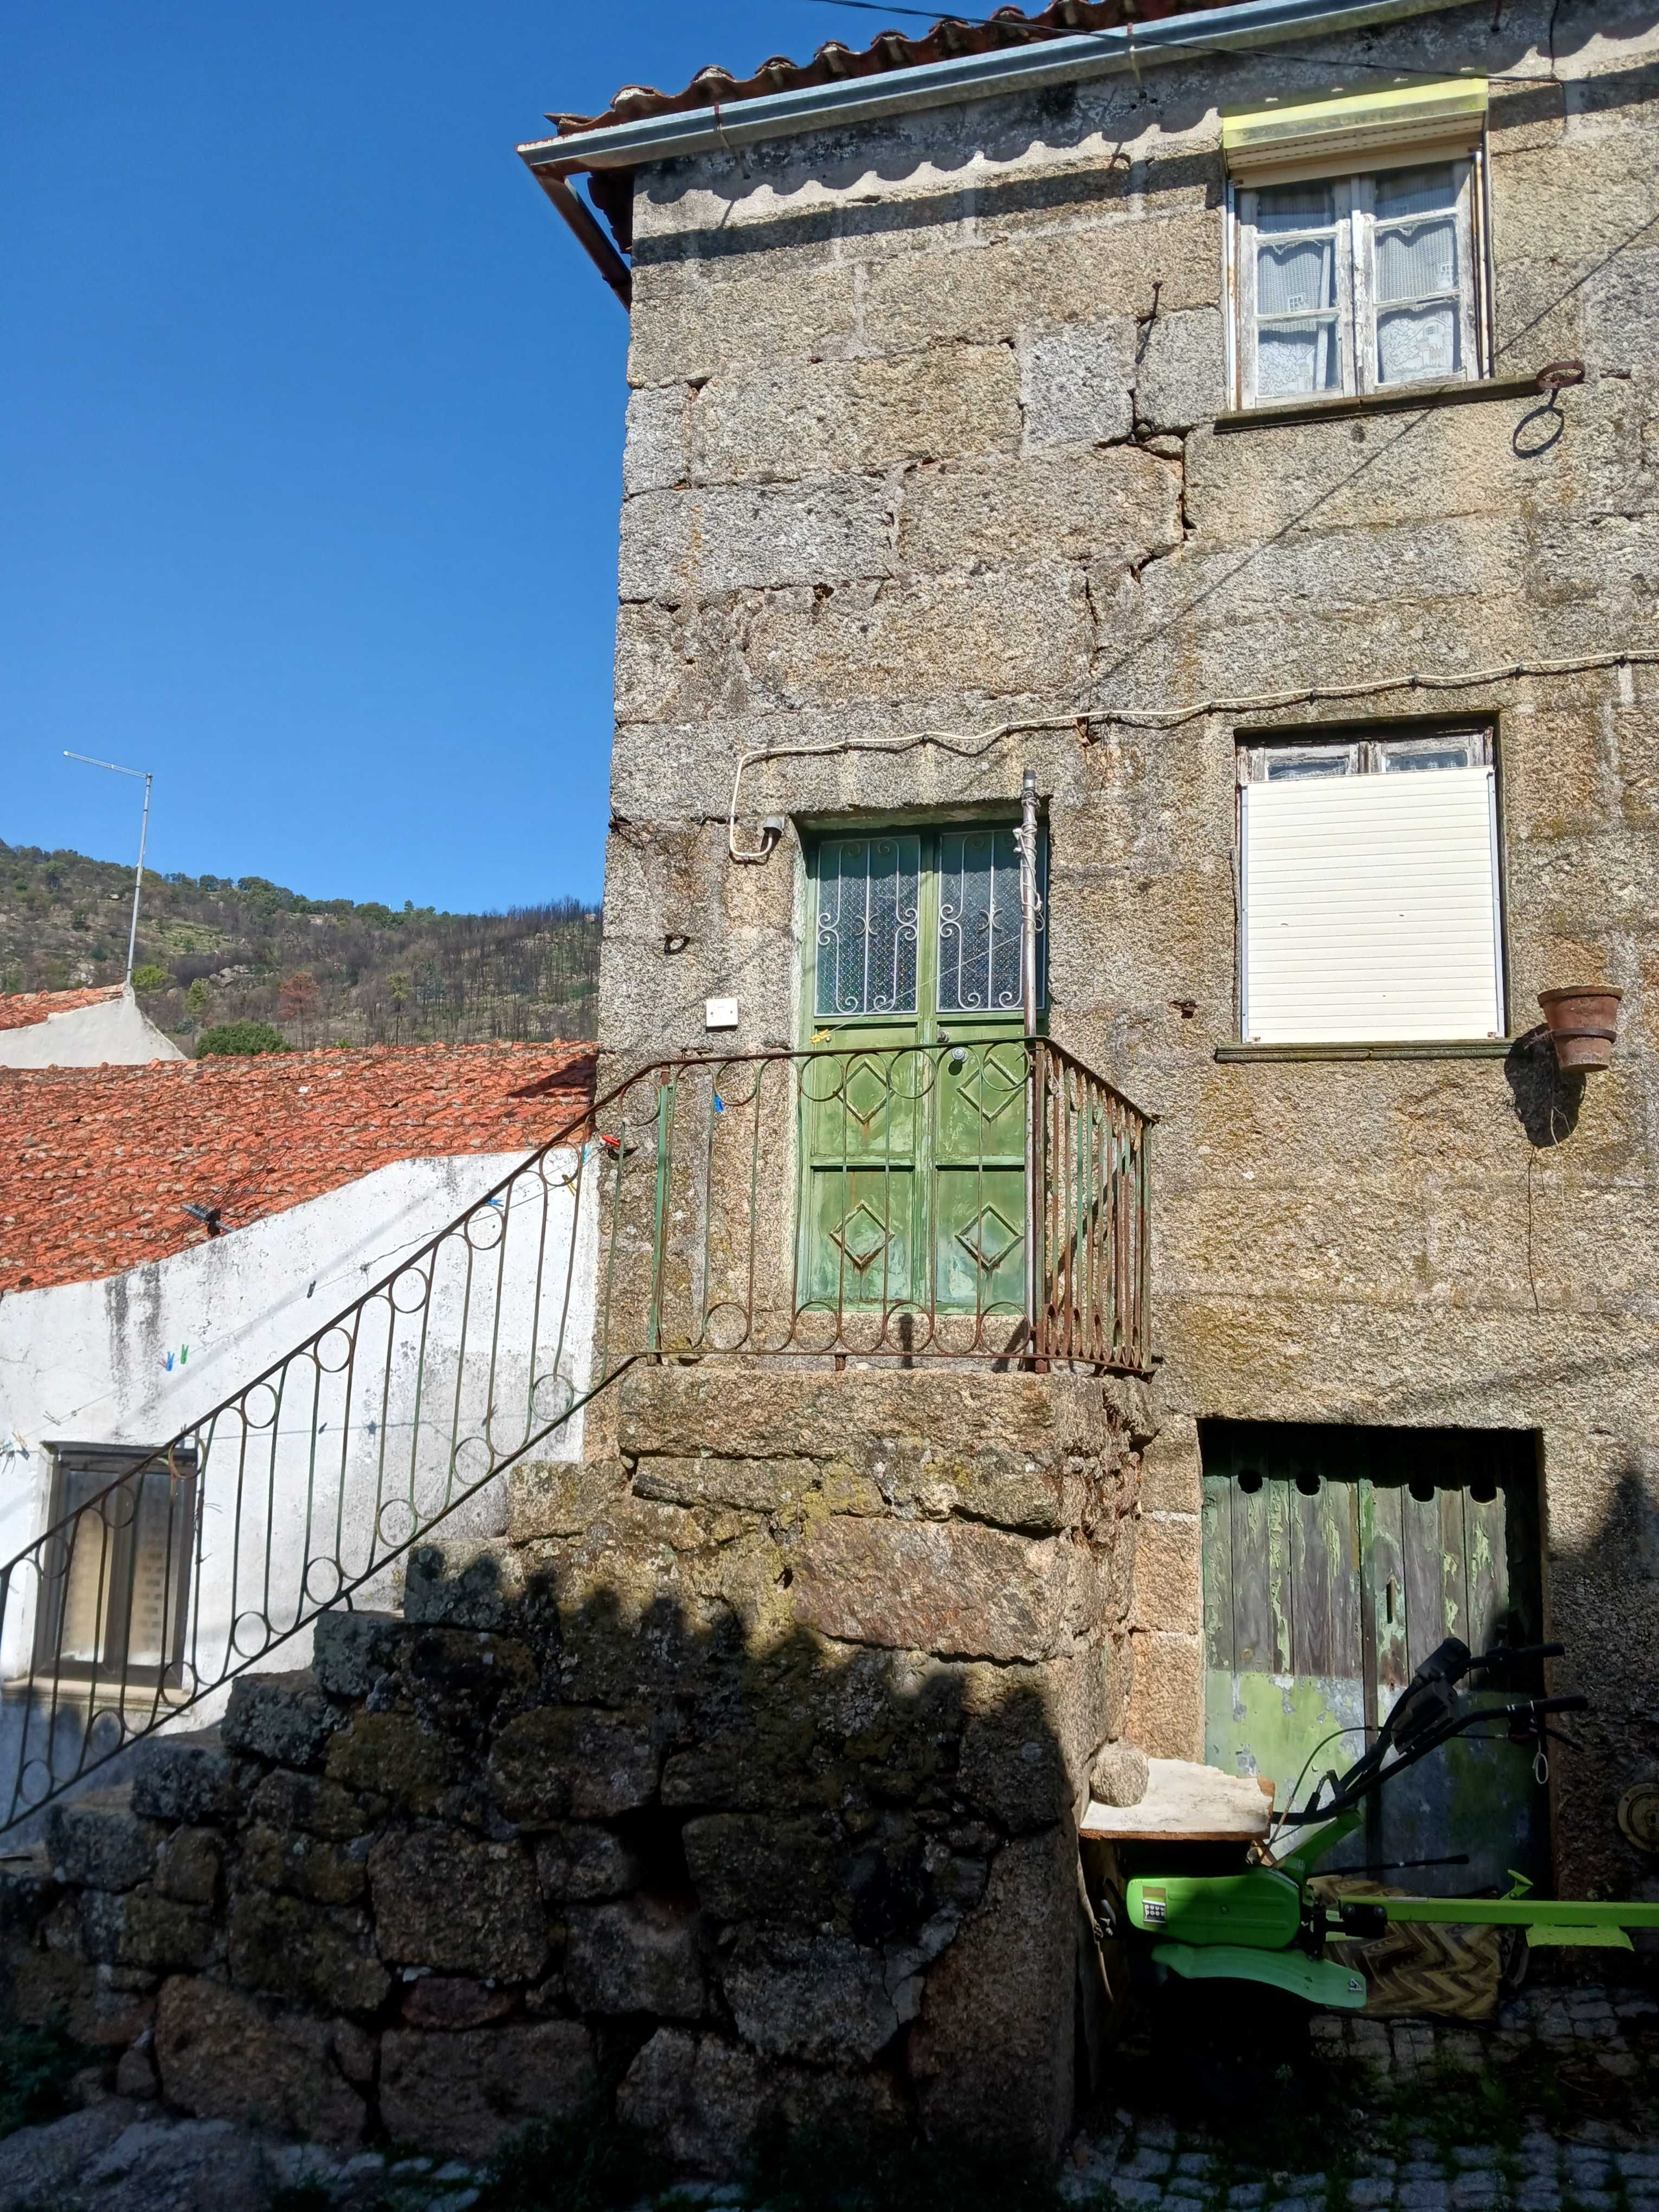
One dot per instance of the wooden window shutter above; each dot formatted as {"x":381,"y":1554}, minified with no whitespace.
{"x":1371,"y":909}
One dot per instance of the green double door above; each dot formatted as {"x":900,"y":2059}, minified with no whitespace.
{"x":913,"y":1137}
{"x":1336,"y":1560}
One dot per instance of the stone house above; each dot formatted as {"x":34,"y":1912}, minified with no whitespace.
{"x":1152,"y":402}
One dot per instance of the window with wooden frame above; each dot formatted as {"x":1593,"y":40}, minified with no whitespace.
{"x":1369,"y":888}
{"x":115,"y":1576}
{"x":1357,"y":243}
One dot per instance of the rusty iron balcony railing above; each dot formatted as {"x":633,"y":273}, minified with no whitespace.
{"x":968,"y":1200}
{"x":984,"y":1202}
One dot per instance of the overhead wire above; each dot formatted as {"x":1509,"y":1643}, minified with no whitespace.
{"x":971,"y":745}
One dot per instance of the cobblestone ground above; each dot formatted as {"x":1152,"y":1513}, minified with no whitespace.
{"x":119,"y":2155}
{"x":1556,"y":2109}
{"x":1589,"y":2056}
{"x":1153,"y":2163}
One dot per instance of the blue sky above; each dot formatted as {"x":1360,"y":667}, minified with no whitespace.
{"x":310,"y":456}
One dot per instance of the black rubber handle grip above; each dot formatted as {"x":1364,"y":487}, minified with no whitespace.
{"x":1574,"y":1702}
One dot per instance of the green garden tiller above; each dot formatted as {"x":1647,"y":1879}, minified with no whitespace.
{"x":1267,"y":1924}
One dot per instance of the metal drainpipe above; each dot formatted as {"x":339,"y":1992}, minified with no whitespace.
{"x":589,"y":232}
{"x":1028,"y":978}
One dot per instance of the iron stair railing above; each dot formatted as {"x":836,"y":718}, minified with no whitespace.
{"x":761,"y":1205}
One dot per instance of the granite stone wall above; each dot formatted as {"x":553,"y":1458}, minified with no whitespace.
{"x":739,"y":1782}
{"x":924,"y":433}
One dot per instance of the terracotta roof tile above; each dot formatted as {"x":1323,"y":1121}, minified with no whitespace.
{"x":97,"y":1163}
{"x":21,"y":1010}
{"x":889,"y":49}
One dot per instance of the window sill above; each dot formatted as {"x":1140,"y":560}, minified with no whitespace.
{"x":79,"y":1691}
{"x":1388,"y":1048}
{"x":1409,"y":399}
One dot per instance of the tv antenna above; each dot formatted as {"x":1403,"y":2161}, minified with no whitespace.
{"x":116,"y":768}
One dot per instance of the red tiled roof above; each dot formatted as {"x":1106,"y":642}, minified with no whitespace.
{"x":21,"y":1010}
{"x":97,"y":1165}
{"x":889,"y":49}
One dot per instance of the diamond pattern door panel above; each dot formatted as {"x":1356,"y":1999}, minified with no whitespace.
{"x":978,"y":1238}
{"x":860,"y":1242}
{"x":863,"y":1106}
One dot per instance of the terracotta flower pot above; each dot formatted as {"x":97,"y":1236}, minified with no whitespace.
{"x":1583,"y":1020}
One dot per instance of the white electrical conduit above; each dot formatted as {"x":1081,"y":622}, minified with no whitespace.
{"x":969,"y":745}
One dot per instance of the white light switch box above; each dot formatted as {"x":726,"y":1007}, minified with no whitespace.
{"x":719,"y":1013}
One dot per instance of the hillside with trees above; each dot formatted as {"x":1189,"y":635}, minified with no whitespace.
{"x":212,"y":952}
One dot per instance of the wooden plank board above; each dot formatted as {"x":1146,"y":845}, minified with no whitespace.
{"x":1253,"y":1629}
{"x":1485,"y":1557}
{"x":1281,"y":1496}
{"x":1218,"y":1580}
{"x":1347,"y":1626}
{"x":1323,"y":1626}
{"x":1384,"y":1569}
{"x":1454,"y":1562}
{"x":1430,"y":1604}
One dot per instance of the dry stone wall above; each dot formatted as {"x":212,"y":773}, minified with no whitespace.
{"x":924,"y":435}
{"x":739,"y":1783}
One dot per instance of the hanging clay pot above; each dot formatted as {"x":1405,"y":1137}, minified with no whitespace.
{"x":1583,"y":1020}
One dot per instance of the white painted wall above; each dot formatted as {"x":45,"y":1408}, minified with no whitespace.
{"x":115,"y":1032}
{"x":301,"y":1493}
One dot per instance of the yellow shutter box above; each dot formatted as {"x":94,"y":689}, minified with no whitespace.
{"x":1388,"y":129}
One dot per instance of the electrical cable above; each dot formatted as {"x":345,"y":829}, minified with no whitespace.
{"x":967,"y":746}
{"x":970,"y":745}
{"x":1354,"y":1728}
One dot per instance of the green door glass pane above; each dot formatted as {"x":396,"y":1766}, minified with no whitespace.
{"x":979,"y":922}
{"x":868,"y":924}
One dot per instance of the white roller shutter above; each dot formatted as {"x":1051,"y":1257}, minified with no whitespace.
{"x":1371,"y":909}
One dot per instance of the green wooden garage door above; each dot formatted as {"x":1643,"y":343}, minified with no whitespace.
{"x":1336,"y":1559}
